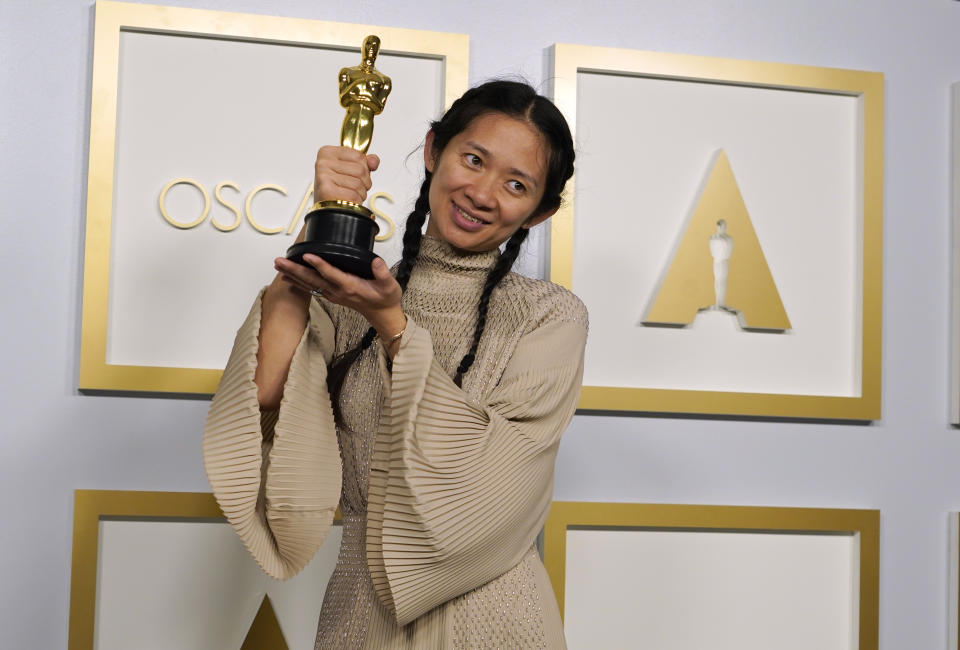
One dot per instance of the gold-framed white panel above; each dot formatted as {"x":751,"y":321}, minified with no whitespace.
{"x":165,"y":570}
{"x":805,"y":148}
{"x":730,"y":590}
{"x":193,"y":585}
{"x":204,"y":128}
{"x":684,"y":576}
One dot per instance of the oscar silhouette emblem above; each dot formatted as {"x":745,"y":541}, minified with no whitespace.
{"x":343,"y":232}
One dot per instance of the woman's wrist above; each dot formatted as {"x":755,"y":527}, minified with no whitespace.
{"x":285,"y":296}
{"x":280,"y":287}
{"x":388,"y":322}
{"x":390,"y":325}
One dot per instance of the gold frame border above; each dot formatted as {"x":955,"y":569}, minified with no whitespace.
{"x":89,"y":507}
{"x":568,"y":60}
{"x":864,"y":523}
{"x":111,"y":19}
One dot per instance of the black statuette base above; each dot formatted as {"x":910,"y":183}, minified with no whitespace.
{"x":342,"y":237}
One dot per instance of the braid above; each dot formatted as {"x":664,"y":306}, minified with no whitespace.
{"x":497,"y":273}
{"x":412,"y":234}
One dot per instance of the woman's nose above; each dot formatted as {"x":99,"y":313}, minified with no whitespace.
{"x":481,"y":191}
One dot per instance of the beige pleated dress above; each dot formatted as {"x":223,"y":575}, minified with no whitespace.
{"x":443,"y":490}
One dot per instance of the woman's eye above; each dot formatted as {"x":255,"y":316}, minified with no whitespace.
{"x":472,"y":159}
{"x":517,"y":186}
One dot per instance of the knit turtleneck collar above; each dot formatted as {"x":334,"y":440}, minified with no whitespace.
{"x":438,"y":255}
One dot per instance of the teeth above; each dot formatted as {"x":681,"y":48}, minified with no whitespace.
{"x":467,"y":216}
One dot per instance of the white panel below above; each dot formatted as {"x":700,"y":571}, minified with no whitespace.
{"x":693,"y":590}
{"x":193,"y":586}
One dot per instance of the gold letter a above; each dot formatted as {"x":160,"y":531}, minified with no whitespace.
{"x":689,"y":285}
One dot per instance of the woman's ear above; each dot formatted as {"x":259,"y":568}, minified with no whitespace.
{"x":429,"y":161}
{"x":539,"y":218}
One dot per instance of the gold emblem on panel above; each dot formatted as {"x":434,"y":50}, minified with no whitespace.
{"x":719,"y":264}
{"x":265,"y":632}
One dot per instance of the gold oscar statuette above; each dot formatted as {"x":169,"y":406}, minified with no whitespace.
{"x":343,"y":232}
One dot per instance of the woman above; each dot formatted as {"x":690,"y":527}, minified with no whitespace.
{"x":428,"y":405}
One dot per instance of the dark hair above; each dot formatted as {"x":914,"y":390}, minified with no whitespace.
{"x":511,"y":98}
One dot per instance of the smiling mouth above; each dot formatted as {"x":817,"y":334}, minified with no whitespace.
{"x":467,"y":216}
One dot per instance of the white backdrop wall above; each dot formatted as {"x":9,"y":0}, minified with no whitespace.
{"x":54,"y":439}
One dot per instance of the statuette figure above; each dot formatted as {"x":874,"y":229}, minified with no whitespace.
{"x":721,"y":247}
{"x":363,"y":92}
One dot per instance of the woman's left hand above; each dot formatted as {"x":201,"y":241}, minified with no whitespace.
{"x":378,"y":300}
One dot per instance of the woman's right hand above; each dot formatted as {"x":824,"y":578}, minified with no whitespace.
{"x":342,"y":173}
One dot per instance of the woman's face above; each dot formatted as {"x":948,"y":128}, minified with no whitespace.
{"x":486,"y":182}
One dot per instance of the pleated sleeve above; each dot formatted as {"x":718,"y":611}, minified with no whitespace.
{"x":459,"y":490}
{"x":276,"y":474}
